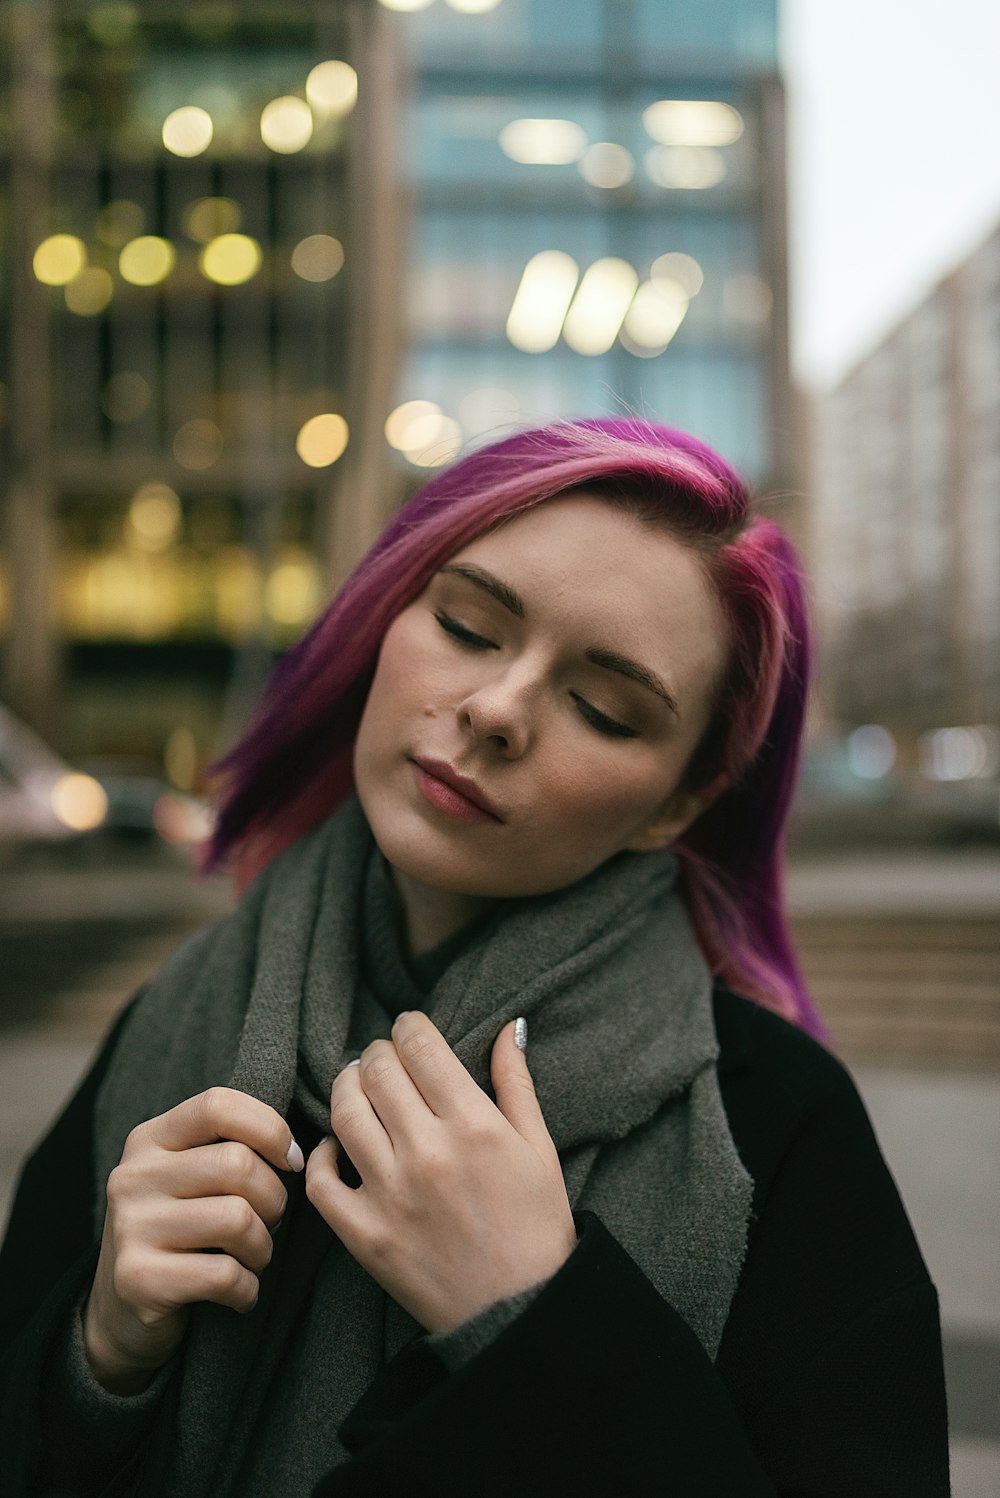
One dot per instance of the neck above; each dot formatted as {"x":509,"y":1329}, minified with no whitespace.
{"x":432,"y":915}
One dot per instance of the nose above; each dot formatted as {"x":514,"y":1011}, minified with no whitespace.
{"x":498,"y":715}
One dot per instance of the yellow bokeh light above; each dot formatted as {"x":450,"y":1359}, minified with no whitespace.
{"x":406,"y":4}
{"x":332,"y":88}
{"x":197,"y":444}
{"x":180,"y":757}
{"x":206,"y":218}
{"x":79,"y":801}
{"x":473,"y":7}
{"x":656,"y":313}
{"x":120,"y":221}
{"x":318,"y":257}
{"x":292,"y":592}
{"x":543,"y":142}
{"x":90,"y":292}
{"x":231,"y":259}
{"x":322,"y":439}
{"x":154,"y":517}
{"x":59,"y":259}
{"x":606,"y":164}
{"x":399,"y":421}
{"x":147,"y":260}
{"x":286,"y":125}
{"x":693,"y":122}
{"x":188,"y":131}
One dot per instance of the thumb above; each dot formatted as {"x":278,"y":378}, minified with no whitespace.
{"x":514,"y":1088}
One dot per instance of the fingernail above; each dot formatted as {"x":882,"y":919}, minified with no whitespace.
{"x":521,"y":1033}
{"x":355,"y":1062}
{"x":296,"y":1159}
{"x":402,"y":1013}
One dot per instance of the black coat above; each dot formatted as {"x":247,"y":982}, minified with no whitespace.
{"x":828,"y":1382}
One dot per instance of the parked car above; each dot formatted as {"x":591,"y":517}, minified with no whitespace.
{"x":42,"y":798}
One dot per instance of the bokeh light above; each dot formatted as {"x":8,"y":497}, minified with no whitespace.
{"x":684,"y":269}
{"x":543,"y":142}
{"x":541,"y":301}
{"x":59,"y":259}
{"x":693,"y":122}
{"x":656,"y":313}
{"x":607,"y":165}
{"x":79,"y":801}
{"x":206,"y":218}
{"x":318,"y":257}
{"x":147,"y":260}
{"x":473,"y":7}
{"x":286,"y":125}
{"x":198,"y":444}
{"x":293,"y":592}
{"x":691,"y":167}
{"x":599,"y":307}
{"x":231,"y":259}
{"x":432,"y":439}
{"x":406,"y":5}
{"x":154,"y":517}
{"x":322,"y":439}
{"x":126,"y":396}
{"x":90,"y":292}
{"x":188,"y":131}
{"x":332,"y":88}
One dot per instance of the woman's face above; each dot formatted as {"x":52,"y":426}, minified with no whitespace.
{"x":564,"y":666}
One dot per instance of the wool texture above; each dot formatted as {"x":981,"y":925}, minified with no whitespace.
{"x":622,"y":1050}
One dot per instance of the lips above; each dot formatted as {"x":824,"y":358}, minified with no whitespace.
{"x":460,"y":783}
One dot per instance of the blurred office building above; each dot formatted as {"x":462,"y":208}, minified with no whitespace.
{"x":266,"y":266}
{"x":197,"y":364}
{"x":906,"y":552}
{"x":598,"y":221}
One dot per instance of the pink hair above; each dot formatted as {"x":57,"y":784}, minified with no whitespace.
{"x":293,"y":767}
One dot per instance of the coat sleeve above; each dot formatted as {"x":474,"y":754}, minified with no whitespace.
{"x":47,"y":1264}
{"x":828,"y":1383}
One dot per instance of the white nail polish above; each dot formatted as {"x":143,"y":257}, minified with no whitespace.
{"x":295,"y":1157}
{"x":521,"y":1033}
{"x":355,"y":1062}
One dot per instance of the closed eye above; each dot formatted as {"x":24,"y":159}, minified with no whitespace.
{"x":459,"y":632}
{"x":601,"y":721}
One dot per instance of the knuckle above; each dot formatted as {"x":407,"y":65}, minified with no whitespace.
{"x":342,"y":1116}
{"x":236,"y":1161}
{"x":417,"y":1047}
{"x":214,"y":1103}
{"x":228,"y":1274}
{"x":376,"y":1068}
{"x":238,"y":1214}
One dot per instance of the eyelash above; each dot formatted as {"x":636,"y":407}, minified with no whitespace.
{"x":608,"y":726}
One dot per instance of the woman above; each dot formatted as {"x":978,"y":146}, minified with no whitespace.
{"x":528,"y":774}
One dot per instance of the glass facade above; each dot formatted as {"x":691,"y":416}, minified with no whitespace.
{"x":643,"y":134}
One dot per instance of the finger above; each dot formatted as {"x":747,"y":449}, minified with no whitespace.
{"x":227,"y":1224}
{"x":182,"y":1279}
{"x":358,"y":1126}
{"x":514,"y":1089}
{"x":225,"y":1113}
{"x":442,"y":1081}
{"x":392,"y":1093}
{"x":342,"y":1207}
{"x":225,"y":1169}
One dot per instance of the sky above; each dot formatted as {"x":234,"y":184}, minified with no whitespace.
{"x":894,"y":162}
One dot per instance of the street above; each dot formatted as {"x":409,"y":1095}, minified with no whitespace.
{"x":77,"y":941}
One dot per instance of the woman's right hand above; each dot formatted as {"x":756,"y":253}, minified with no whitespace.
{"x":190,"y":1206}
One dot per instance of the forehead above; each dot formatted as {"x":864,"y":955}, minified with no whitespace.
{"x":583,"y":563}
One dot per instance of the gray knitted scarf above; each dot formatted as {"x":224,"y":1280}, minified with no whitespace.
{"x":622,"y":1049}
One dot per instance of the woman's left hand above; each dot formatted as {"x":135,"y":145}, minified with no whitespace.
{"x":462,"y":1201}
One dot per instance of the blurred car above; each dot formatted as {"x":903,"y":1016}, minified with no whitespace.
{"x":46,"y":802}
{"x":42,"y":799}
{"x":142,"y":806}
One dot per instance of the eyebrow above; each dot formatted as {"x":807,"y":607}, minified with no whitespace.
{"x":611,"y":660}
